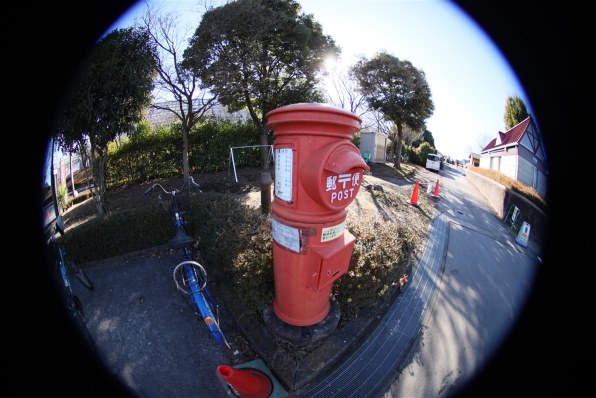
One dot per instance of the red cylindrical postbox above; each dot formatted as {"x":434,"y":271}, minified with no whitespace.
{"x":318,"y":172}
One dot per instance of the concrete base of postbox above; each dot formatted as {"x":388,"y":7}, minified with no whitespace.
{"x":303,"y":335}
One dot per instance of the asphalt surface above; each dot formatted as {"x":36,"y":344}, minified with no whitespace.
{"x":147,"y":333}
{"x":484,"y":285}
{"x":467,"y":299}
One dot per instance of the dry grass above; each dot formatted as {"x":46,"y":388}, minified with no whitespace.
{"x":384,"y":170}
{"x":528,"y":192}
{"x":390,"y":236}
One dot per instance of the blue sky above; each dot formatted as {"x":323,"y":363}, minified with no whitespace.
{"x":468,"y":76}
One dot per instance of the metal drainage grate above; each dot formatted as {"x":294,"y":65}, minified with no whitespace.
{"x":369,"y":370}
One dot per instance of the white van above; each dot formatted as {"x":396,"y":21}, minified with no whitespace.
{"x":433,"y":162}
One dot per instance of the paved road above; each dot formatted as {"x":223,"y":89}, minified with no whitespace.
{"x":146,"y":332}
{"x":485,"y":283}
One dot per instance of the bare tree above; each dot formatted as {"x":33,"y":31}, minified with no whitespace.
{"x":374,"y":120}
{"x":342,"y":92}
{"x":482,"y":141}
{"x":190,"y":102}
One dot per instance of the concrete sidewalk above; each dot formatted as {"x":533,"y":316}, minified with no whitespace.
{"x":485,"y":282}
{"x":477,"y":299}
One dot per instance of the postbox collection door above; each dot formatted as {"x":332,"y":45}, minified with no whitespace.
{"x":333,"y":261}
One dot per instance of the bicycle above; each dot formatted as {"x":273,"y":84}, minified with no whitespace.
{"x":66,"y":267}
{"x":189,"y":275}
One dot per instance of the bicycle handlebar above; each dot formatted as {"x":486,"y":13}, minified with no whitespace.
{"x":190,"y":182}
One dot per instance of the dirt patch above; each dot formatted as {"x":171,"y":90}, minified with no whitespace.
{"x":390,"y":202}
{"x":133,"y":195}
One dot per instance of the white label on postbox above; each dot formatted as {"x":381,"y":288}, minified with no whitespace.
{"x":285,"y":235}
{"x":333,"y":232}
{"x":342,"y":187}
{"x":283,"y":173}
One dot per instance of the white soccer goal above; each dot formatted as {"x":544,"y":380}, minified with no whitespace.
{"x":233,"y":162}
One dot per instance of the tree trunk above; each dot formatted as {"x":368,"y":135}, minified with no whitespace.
{"x":265,"y":180}
{"x":265,"y":176}
{"x":397,"y":147}
{"x":264,"y":150}
{"x":72,"y":182}
{"x":84,"y":164}
{"x":185,"y":166}
{"x":98,"y":188}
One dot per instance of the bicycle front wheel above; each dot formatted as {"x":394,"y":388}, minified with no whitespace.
{"x":78,"y":272}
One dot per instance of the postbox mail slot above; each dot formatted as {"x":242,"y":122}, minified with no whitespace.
{"x":334,"y":261}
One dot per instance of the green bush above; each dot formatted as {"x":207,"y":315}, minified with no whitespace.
{"x":419,"y":154}
{"x":414,"y":156}
{"x":147,"y":154}
{"x":237,"y":239}
{"x":356,"y":140}
{"x":424,"y":149}
{"x":119,"y":233}
{"x":210,"y":146}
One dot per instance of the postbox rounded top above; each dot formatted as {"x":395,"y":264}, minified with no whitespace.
{"x":313,"y":119}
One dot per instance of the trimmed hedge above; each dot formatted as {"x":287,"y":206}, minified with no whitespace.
{"x":382,"y":254}
{"x":119,"y":233}
{"x":147,"y":154}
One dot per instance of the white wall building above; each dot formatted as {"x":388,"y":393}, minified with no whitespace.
{"x":518,"y":153}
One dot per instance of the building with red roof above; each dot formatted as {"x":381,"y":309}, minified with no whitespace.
{"x":520,"y":154}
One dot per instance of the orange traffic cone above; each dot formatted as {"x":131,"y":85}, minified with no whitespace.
{"x":436,"y":191}
{"x":414,"y":198}
{"x":246,"y":383}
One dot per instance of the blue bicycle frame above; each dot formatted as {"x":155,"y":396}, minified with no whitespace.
{"x":194,"y":275}
{"x":67,"y":268}
{"x":197,"y":284}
